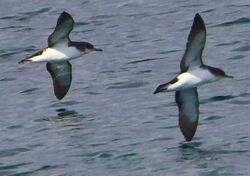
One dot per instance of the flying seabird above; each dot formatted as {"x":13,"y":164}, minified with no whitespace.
{"x":193,"y":74}
{"x":58,"y":53}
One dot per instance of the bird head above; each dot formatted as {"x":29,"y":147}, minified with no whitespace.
{"x":219,"y":73}
{"x":90,"y":47}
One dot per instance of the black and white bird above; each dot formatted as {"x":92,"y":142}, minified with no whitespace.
{"x":193,"y":74}
{"x":58,"y":53}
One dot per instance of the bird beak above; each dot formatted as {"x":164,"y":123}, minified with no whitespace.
{"x":97,"y":49}
{"x":24,"y":61}
{"x":228,"y":76}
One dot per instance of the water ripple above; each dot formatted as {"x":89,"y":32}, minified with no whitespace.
{"x":127,"y":156}
{"x":11,"y":152}
{"x":8,"y":17}
{"x":212,"y":118}
{"x":236,"y":57}
{"x":65,"y":103}
{"x":7,"y":79}
{"x":228,"y":44}
{"x":29,"y":91}
{"x":31,"y":14}
{"x":218,"y":98}
{"x":242,"y":48}
{"x":10,"y":169}
{"x":13,"y":166}
{"x":145,"y":60}
{"x":234,"y":22}
{"x":123,"y":85}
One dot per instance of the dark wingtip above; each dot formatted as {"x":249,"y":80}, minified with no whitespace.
{"x":198,"y":17}
{"x":188,"y":129}
{"x":60,"y":93}
{"x":65,"y":13}
{"x":59,"y":97}
{"x":198,"y":21}
{"x":188,"y":138}
{"x":188,"y":133}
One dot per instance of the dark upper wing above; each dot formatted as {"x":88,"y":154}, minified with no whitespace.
{"x":188,"y":105}
{"x":195,"y":44}
{"x":61,"y":74}
{"x":63,"y":27}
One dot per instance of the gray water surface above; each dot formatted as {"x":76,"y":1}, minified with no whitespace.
{"x":111,"y":124}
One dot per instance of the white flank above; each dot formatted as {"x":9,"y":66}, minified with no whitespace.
{"x":192,"y":79}
{"x":57,"y":53}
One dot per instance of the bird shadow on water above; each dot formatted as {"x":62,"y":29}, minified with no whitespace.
{"x":191,"y":153}
{"x":64,"y":115}
{"x":210,"y":161}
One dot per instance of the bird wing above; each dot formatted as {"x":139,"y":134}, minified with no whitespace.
{"x":195,"y":44}
{"x":61,"y":73}
{"x":63,"y":27}
{"x":188,"y":105}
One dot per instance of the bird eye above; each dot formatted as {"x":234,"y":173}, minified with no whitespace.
{"x":89,"y":46}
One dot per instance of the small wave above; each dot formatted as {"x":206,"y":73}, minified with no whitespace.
{"x":65,"y":103}
{"x":161,"y":139}
{"x":81,"y":24}
{"x":11,"y":27}
{"x":28,"y":91}
{"x":218,"y":98}
{"x":144,"y":71}
{"x":43,"y":168}
{"x":64,"y":112}
{"x":242,"y":48}
{"x":7,"y":79}
{"x":236,"y":57}
{"x":31,"y":14}
{"x":101,"y":17}
{"x":123,"y":85}
{"x":169,"y":51}
{"x":235,"y":22}
{"x":208,"y":11}
{"x":228,"y":44}
{"x":190,"y":145}
{"x":92,"y":93}
{"x":13,"y":166}
{"x":127,"y":156}
{"x":12,"y":152}
{"x":240,"y":102}
{"x":211,"y":118}
{"x":7,"y":17}
{"x":144,"y":60}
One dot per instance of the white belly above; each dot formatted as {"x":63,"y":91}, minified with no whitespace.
{"x":58,"y":53}
{"x":192,"y":79}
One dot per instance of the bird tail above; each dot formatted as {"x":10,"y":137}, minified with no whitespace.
{"x":164,"y":87}
{"x":24,"y":61}
{"x":161,"y":88}
{"x":29,"y":59}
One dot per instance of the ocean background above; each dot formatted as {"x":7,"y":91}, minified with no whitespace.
{"x":111,"y":124}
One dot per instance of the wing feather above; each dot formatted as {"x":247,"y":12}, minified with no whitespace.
{"x":61,"y":74}
{"x":64,"y":26}
{"x":195,"y":44}
{"x":188,"y":104}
